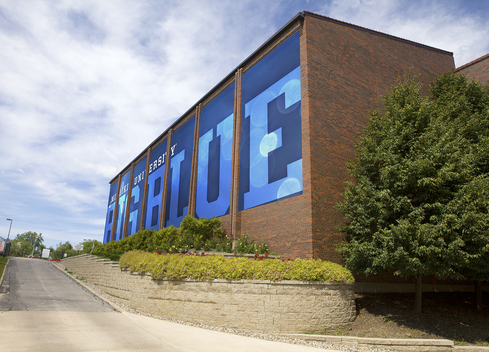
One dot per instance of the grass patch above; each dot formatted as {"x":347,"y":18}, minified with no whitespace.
{"x":3,"y":263}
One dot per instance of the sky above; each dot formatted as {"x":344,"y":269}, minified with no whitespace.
{"x":85,"y":86}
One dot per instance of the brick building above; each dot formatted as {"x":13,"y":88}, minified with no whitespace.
{"x":477,"y":69}
{"x":265,"y":150}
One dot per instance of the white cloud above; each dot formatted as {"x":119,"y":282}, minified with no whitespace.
{"x":446,"y":25}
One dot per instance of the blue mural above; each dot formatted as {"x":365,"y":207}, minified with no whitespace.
{"x":270,"y":164}
{"x":121,"y":212}
{"x":136,"y":198}
{"x":215,"y":156}
{"x":179,"y":174}
{"x":271,"y":139}
{"x":110,"y":212}
{"x":156,"y":175}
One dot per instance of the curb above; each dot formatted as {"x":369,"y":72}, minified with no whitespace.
{"x":397,"y":344}
{"x":58,"y":266}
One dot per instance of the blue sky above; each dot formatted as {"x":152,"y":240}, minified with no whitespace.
{"x":79,"y":79}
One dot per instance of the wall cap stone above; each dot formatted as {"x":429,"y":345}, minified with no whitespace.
{"x":258,"y":282}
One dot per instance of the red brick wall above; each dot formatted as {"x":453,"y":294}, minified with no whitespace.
{"x":226,"y":224}
{"x":284,"y":225}
{"x":348,"y":69}
{"x":478,"y":70}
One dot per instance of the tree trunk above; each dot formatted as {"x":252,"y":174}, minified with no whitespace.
{"x":418,"y":296}
{"x":478,"y":294}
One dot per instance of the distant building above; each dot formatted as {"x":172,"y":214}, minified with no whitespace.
{"x":266,"y":149}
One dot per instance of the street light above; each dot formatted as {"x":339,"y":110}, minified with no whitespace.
{"x":11,"y":221}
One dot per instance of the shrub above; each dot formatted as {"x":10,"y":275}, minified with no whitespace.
{"x":114,"y":256}
{"x":245,"y":244}
{"x":166,"y":239}
{"x":201,"y":230}
{"x":193,"y":233}
{"x":176,"y":267}
{"x":224,"y":245}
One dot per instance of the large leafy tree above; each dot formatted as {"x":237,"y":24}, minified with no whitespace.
{"x":418,"y":203}
{"x":61,"y":249}
{"x":26,"y":243}
{"x":20,"y":247}
{"x":89,"y":245}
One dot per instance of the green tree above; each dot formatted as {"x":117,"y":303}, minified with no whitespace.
{"x":20,"y":247}
{"x":61,"y":249}
{"x":418,"y":204}
{"x":26,"y":243}
{"x":89,"y":245}
{"x":38,"y":244}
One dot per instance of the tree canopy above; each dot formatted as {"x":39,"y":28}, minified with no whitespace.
{"x":418,"y":203}
{"x":26,"y":243}
{"x":67,"y":248}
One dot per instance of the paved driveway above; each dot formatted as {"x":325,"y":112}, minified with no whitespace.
{"x":45,"y":310}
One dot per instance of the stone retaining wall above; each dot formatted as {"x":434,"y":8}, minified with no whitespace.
{"x":263,"y":306}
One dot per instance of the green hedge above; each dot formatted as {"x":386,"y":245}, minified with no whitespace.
{"x":175,"y":267}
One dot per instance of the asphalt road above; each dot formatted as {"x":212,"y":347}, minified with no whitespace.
{"x":36,"y":285}
{"x":45,"y":310}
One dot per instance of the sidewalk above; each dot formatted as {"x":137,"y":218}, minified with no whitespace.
{"x":53,"y":331}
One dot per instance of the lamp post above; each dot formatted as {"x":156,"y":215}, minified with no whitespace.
{"x":34,"y":245}
{"x":6,"y":250}
{"x":11,"y":221}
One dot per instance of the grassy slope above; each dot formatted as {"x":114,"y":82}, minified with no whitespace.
{"x":3,"y":262}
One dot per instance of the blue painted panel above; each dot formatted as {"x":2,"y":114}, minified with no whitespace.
{"x":156,"y":175}
{"x":136,"y":198}
{"x":271,"y":137}
{"x":110,"y":212}
{"x":179,"y":174}
{"x":121,"y":212}
{"x":215,"y":156}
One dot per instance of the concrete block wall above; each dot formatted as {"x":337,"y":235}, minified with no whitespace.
{"x":262,"y":306}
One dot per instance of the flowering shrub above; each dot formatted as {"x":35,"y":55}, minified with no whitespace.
{"x":176,"y":267}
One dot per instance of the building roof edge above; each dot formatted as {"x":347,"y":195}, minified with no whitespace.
{"x":472,"y":63}
{"x":312,"y":14}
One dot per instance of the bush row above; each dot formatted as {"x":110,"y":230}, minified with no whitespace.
{"x":196,"y":234}
{"x":176,"y":267}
